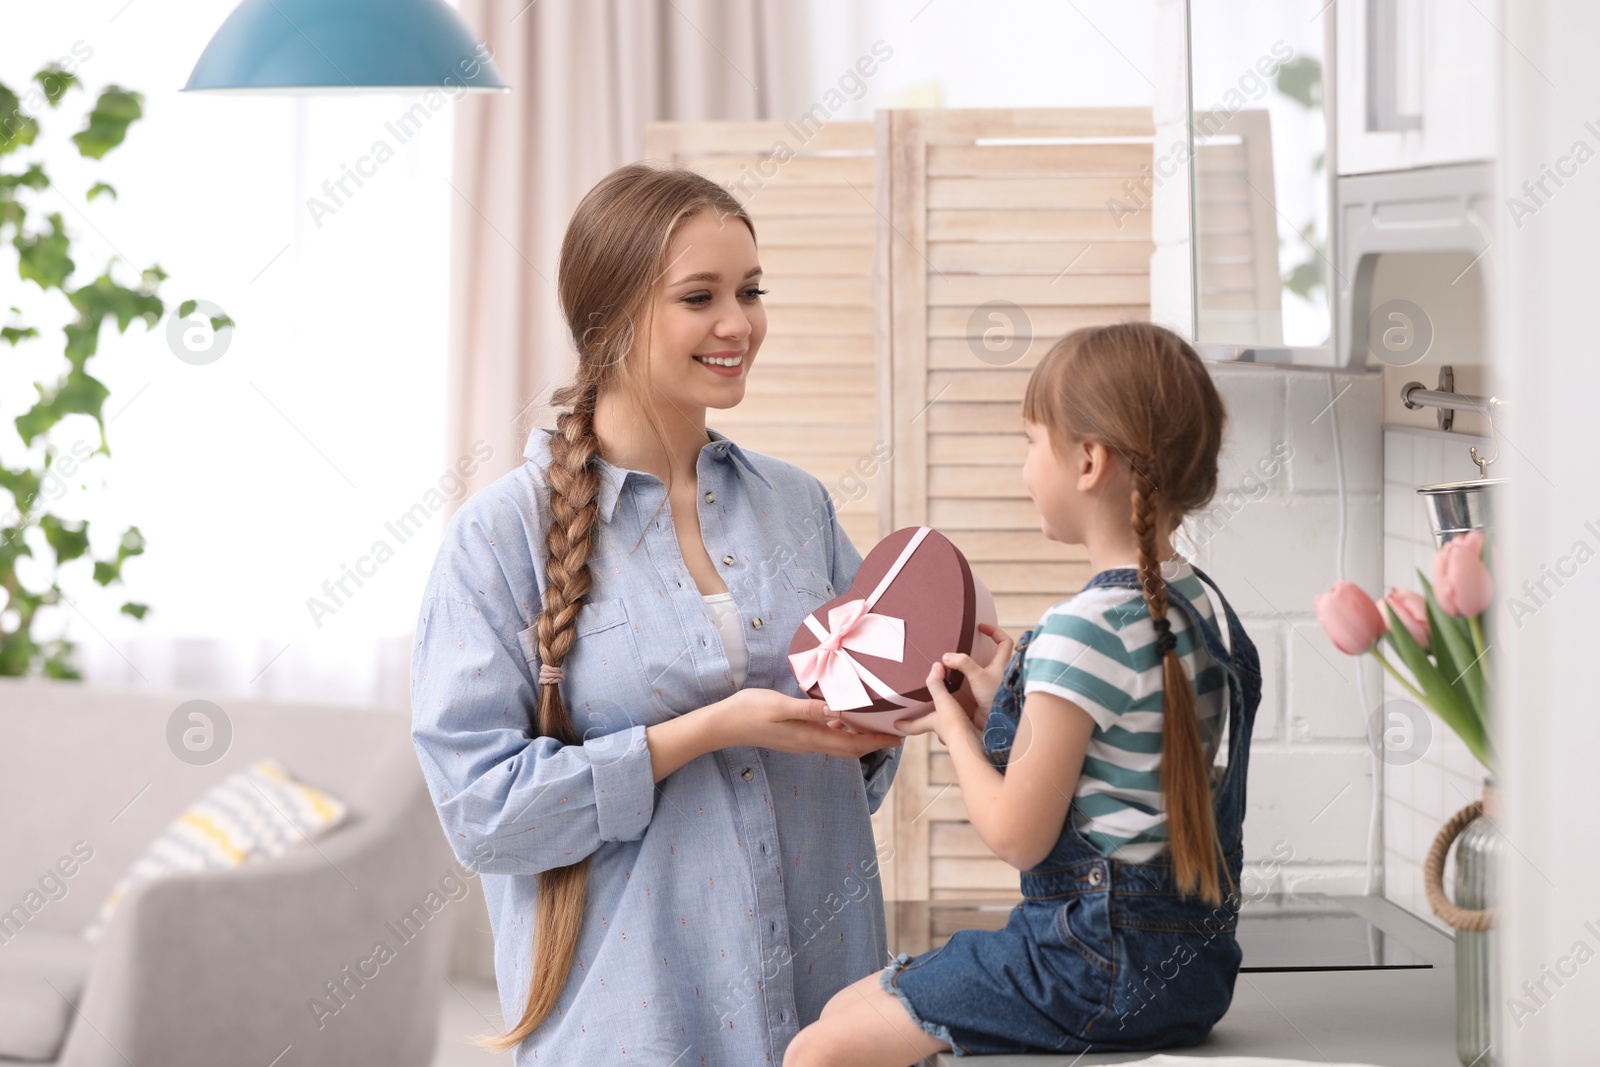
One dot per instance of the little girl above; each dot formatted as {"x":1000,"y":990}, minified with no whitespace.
{"x":1087,"y":762}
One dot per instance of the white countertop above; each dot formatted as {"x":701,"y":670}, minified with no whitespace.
{"x":1394,"y":1018}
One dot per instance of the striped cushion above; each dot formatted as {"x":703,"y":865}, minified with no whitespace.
{"x":259,"y":813}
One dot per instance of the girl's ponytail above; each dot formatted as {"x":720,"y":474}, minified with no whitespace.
{"x":1185,"y":781}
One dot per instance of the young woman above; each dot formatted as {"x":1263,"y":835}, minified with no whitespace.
{"x":674,"y":842}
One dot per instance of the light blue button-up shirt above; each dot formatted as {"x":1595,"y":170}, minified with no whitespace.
{"x":727,"y":902}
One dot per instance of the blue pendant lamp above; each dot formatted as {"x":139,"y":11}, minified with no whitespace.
{"x":332,"y":46}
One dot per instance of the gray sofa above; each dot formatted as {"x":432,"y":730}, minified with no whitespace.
{"x":222,"y":967}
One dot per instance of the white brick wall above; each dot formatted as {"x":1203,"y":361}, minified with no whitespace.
{"x":1272,"y":550}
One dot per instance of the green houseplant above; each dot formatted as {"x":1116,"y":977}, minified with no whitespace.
{"x":29,"y":530}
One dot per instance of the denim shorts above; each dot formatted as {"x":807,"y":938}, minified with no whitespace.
{"x":1061,"y":977}
{"x":1030,"y":986}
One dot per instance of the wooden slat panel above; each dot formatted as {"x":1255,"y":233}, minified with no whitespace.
{"x":1227,"y":277}
{"x":1038,"y":257}
{"x":779,"y":380}
{"x":838,"y":290}
{"x":987,"y":514}
{"x":1036,"y":290}
{"x":810,"y":398}
{"x":965,"y":219}
{"x":782,"y":441}
{"x":957,"y":839}
{"x":1048,"y":322}
{"x":1016,"y":610}
{"x":976,"y":483}
{"x":945,"y":417}
{"x":800,"y":409}
{"x":784,"y":350}
{"x":833,"y":172}
{"x":794,"y":261}
{"x":694,"y":139}
{"x":976,"y":894}
{"x":999,"y":384}
{"x":788,"y":202}
{"x":1223,"y":218}
{"x":947,"y":921}
{"x":988,"y":450}
{"x":1086,"y":225}
{"x":819,"y":321}
{"x":828,"y":230}
{"x":1235,"y":300}
{"x":992,"y":194}
{"x":991,"y":874}
{"x":1026,"y":161}
{"x":1031,"y":577}
{"x":982,"y":546}
{"x":1228,"y":248}
{"x":973,"y":125}
{"x":1216,"y":159}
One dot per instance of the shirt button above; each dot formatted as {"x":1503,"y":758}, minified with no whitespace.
{"x":756,"y":623}
{"x":728,"y":560}
{"x":1094,"y":876}
{"x":711,"y":498}
{"x":830,"y":590}
{"x":747,"y":774}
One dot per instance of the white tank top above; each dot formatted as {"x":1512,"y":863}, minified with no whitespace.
{"x":725,"y":613}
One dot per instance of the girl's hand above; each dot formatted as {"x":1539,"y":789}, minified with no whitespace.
{"x":767,"y":718}
{"x":947,"y":718}
{"x":984,"y":682}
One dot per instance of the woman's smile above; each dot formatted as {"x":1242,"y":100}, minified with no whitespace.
{"x":727,"y":364}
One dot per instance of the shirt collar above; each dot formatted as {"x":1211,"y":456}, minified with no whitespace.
{"x":613,"y":478}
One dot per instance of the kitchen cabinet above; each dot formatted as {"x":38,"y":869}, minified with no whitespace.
{"x":1417,"y":83}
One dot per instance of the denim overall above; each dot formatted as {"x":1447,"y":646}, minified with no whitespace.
{"x":1101,"y":954}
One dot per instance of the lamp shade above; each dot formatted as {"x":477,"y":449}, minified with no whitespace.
{"x":330,"y":46}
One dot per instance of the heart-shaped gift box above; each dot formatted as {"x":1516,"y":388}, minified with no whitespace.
{"x":868,"y":651}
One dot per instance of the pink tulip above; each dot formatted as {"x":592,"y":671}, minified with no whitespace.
{"x":1461,"y":583}
{"x":1350,"y":618}
{"x":1411,"y":610}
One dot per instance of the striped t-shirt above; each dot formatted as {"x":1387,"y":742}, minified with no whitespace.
{"x":1098,"y":650}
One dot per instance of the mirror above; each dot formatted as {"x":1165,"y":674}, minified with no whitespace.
{"x":1259,"y":172}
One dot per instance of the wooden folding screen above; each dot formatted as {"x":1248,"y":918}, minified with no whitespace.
{"x":811,"y":394}
{"x":974,"y":207}
{"x":883,"y":242}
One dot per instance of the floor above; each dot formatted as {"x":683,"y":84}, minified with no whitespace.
{"x":470,"y":1007}
{"x":1394,"y":1018}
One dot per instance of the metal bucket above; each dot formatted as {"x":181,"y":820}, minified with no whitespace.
{"x":1479,"y":854}
{"x":1455,"y":508}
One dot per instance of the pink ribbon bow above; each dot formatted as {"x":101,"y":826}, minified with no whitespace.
{"x":852,"y":627}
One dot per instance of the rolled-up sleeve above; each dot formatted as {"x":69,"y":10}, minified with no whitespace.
{"x":536,"y":802}
{"x":877,"y":768}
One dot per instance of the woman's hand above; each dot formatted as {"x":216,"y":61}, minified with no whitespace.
{"x":984,"y":682}
{"x":767,"y":718}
